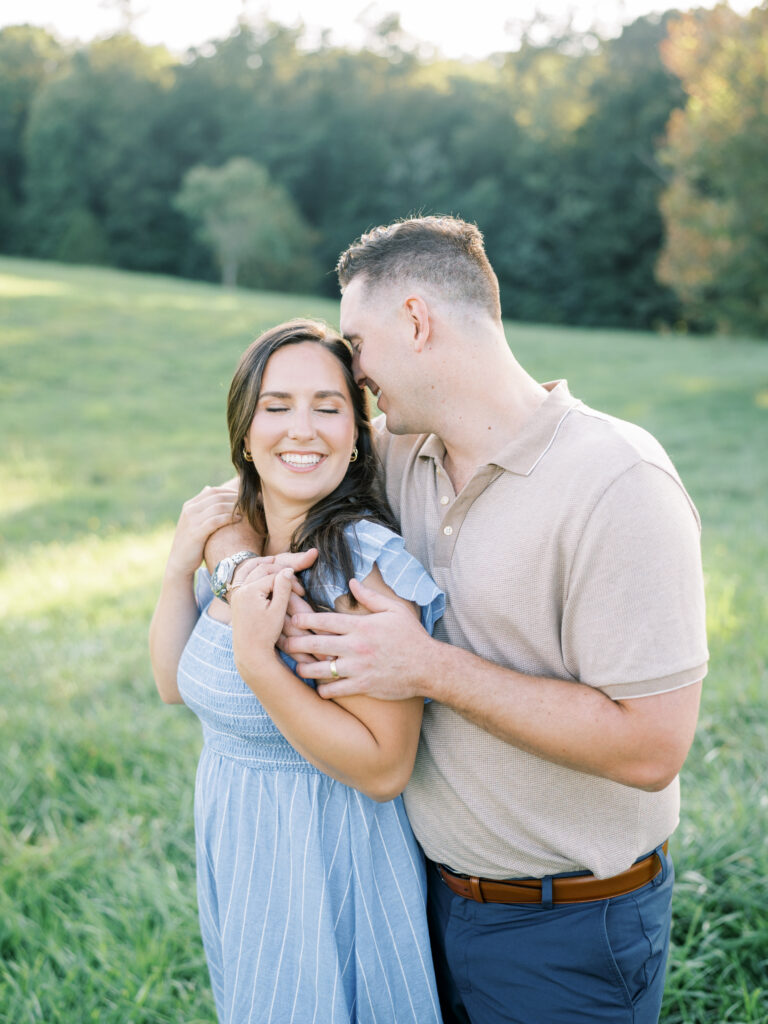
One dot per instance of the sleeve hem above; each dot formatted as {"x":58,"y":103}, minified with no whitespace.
{"x":654,"y":687}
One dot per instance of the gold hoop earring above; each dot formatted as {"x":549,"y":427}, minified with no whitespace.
{"x":247,"y":455}
{"x":353,"y":456}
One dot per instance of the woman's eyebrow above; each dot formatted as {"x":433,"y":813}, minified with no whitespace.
{"x":288,"y":394}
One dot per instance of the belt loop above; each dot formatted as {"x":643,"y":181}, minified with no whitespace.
{"x":546,"y":892}
{"x":659,"y":851}
{"x":475,"y":889}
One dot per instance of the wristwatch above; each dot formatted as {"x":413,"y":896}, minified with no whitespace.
{"x":225,"y":570}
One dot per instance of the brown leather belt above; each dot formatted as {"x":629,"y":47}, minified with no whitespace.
{"x":574,"y":889}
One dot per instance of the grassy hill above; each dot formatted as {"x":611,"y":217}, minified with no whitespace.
{"x":112,"y":395}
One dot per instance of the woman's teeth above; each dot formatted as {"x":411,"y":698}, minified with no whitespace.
{"x":300,"y":460}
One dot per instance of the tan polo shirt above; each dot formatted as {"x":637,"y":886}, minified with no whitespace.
{"x":574,"y":554}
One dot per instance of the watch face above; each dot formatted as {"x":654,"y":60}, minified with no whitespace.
{"x":222,"y":574}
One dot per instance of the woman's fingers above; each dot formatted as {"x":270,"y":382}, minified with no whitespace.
{"x":260,"y":604}
{"x":265,"y":565}
{"x":258,"y":568}
{"x":296,"y":560}
{"x":253,"y":569}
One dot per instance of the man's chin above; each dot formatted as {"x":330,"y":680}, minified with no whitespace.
{"x":395,"y":426}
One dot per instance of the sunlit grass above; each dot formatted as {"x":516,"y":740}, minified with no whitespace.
{"x":112,"y":393}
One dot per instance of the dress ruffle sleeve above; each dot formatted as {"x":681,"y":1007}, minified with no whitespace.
{"x":371,"y":543}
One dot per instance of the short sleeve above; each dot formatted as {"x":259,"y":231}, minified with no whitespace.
{"x":203,"y":589}
{"x":634,"y":616}
{"x":371,"y":543}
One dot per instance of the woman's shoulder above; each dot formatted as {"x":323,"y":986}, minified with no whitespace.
{"x":372,"y":543}
{"x":364,"y":532}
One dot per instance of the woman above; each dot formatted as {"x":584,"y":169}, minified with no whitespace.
{"x":311,"y":886}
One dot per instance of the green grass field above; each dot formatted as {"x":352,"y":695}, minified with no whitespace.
{"x":112,"y":394}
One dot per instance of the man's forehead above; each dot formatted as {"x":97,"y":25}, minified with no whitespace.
{"x":352,"y":306}
{"x":353,"y":290}
{"x":360,"y":294}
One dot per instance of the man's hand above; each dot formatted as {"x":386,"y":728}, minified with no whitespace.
{"x":236,"y":535}
{"x":381,"y":655}
{"x":296,"y":606}
{"x":209,"y":511}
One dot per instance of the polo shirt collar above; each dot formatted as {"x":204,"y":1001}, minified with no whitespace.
{"x":433,"y":448}
{"x":524,"y":452}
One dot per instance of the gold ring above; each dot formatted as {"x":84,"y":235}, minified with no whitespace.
{"x":334,"y":670}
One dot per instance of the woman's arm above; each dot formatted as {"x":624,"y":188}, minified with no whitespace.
{"x":176,"y":610}
{"x":360,"y":741}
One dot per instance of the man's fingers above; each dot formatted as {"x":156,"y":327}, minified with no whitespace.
{"x":225,"y":513}
{"x":371,"y":599}
{"x":210,"y":512}
{"x":300,"y":659}
{"x":322,"y":670}
{"x":321,"y":646}
{"x":213,"y":496}
{"x":288,"y":627}
{"x":297,"y":604}
{"x":340,"y":689}
{"x":326,"y":622}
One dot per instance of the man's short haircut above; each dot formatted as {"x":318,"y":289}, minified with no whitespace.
{"x":444,"y":252}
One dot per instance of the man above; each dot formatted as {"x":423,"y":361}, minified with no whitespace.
{"x":564,"y":679}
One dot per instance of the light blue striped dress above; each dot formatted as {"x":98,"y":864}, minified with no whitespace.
{"x":311,"y":895}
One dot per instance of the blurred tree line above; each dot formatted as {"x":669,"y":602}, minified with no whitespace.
{"x":558,"y":152}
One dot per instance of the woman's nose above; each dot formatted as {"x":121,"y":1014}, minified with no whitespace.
{"x":301,"y":425}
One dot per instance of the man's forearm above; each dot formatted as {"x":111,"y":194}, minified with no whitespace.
{"x":640,"y":743}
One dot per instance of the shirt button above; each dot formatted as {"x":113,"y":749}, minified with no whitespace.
{"x":444,"y":500}
{"x":448,"y":530}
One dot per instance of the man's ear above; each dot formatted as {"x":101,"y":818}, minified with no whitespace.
{"x":417,"y":312}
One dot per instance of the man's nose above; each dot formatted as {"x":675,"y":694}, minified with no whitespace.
{"x":357,"y":371}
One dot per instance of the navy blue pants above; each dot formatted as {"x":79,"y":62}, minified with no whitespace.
{"x":585,"y":963}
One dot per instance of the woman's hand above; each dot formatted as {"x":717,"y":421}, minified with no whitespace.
{"x":208,"y":511}
{"x":259,"y":607}
{"x":365,"y":743}
{"x":254,"y":568}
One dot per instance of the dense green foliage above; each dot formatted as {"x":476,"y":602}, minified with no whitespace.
{"x":113,"y":390}
{"x":618,"y":181}
{"x":716,"y":252}
{"x":551,"y":150}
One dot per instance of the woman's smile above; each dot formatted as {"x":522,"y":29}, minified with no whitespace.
{"x":301,"y":461}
